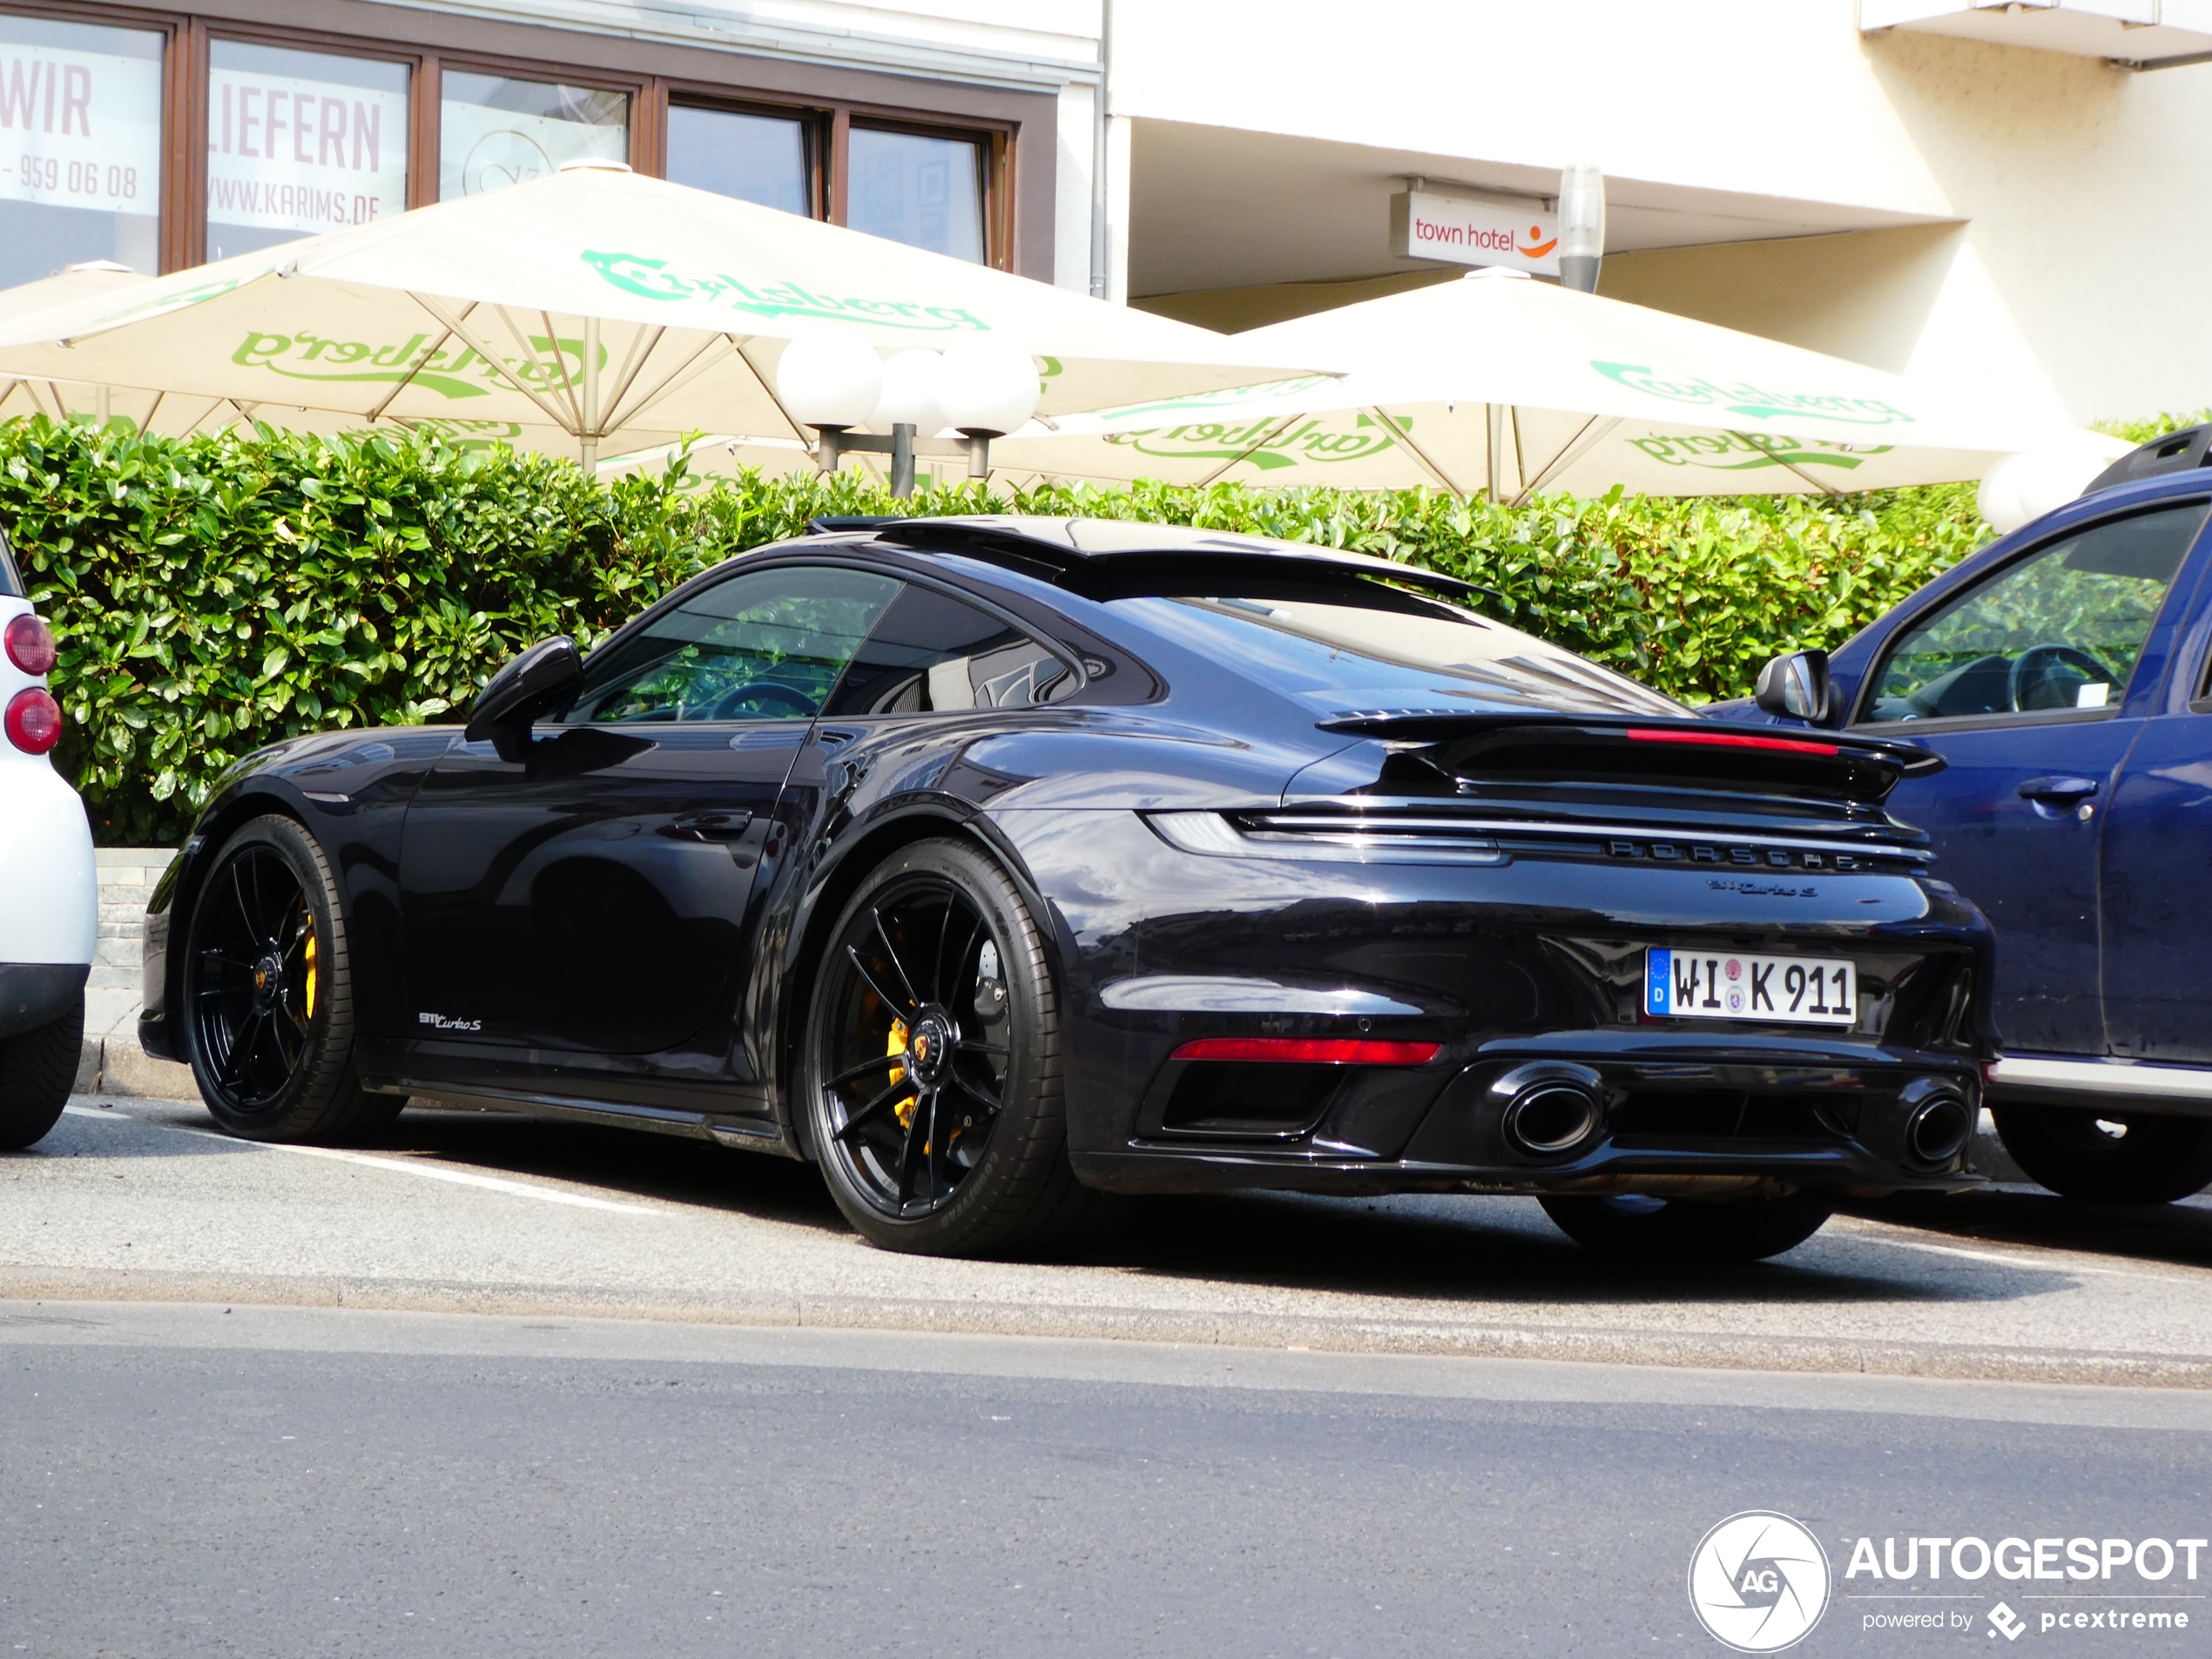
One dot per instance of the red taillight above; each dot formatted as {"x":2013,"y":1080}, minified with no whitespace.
{"x":1730,"y":740}
{"x":1310,"y":1051}
{"x":31,"y":644}
{"x":34,"y":720}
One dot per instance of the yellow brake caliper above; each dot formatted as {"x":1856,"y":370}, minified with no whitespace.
{"x":905,"y":1109}
{"x":311,"y":974}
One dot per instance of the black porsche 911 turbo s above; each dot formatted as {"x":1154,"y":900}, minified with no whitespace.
{"x":1000,"y":865}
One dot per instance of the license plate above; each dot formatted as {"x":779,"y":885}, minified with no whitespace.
{"x":1718,"y":985}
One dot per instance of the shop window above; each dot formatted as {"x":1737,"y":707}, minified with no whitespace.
{"x":494,"y":130}
{"x":919,"y":189}
{"x":298,"y":143}
{"x":80,"y":146}
{"x":755,"y":158}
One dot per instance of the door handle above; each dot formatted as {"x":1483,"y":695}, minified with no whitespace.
{"x":2058,"y":791}
{"x":715,"y":827}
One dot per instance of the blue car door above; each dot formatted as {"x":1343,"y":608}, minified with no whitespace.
{"x":2157,"y":866}
{"x":2033,"y":683}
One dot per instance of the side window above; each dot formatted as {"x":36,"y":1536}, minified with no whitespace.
{"x":767,"y":645}
{"x":2061,"y":630}
{"x":932,"y":652}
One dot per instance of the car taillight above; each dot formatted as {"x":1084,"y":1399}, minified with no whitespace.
{"x":34,"y":720}
{"x":1310,"y":1051}
{"x":31,"y":644}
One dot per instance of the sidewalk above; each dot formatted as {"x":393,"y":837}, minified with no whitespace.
{"x":455,"y":1211}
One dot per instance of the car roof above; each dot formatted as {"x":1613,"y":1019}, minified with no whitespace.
{"x":1065,"y":548}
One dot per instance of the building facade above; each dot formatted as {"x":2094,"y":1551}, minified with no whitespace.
{"x":2012,"y":196}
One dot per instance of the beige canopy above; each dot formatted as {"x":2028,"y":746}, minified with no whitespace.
{"x":1500,"y":383}
{"x":618,"y":310}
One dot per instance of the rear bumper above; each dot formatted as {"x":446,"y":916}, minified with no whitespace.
{"x":1683,"y":1116}
{"x":36,"y":994}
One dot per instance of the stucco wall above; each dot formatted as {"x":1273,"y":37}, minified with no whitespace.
{"x":2078,"y":196}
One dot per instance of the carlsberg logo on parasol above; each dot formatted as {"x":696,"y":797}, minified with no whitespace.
{"x":652,"y":279}
{"x":454,"y":371}
{"x":1754,"y":402}
{"x":1747,"y":451}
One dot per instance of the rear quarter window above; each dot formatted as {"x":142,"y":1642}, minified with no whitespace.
{"x":1381,"y":648}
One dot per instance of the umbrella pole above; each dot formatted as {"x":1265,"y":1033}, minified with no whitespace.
{"x":590,"y":446}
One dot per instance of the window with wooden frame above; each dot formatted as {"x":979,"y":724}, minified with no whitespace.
{"x":176,"y":138}
{"x":80,"y":144}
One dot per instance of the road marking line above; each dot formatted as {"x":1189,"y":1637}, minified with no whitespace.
{"x":2062,"y":1265}
{"x":404,"y":1166}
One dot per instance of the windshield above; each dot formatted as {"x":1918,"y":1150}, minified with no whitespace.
{"x":1343,"y":651}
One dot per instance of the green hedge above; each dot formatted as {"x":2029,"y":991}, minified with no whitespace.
{"x":215,"y":594}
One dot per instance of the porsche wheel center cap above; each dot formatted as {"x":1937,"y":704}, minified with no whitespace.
{"x":930,"y":1048}
{"x":268,"y":979}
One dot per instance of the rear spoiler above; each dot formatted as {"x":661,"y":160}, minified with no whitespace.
{"x":1687,"y":750}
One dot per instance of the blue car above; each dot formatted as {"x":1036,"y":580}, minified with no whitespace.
{"x":2065,"y":673}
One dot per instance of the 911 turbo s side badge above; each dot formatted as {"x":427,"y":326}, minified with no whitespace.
{"x":445,"y":1023}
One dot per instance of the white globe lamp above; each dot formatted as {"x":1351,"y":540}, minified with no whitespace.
{"x":987,"y":387}
{"x":2021,"y":489}
{"x":909,"y":395}
{"x":829,"y":376}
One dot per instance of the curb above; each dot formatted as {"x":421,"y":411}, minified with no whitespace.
{"x":1710,"y":1352}
{"x":115,"y":1065}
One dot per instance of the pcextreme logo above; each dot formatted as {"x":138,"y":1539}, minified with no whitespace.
{"x":1758,"y":1581}
{"x":1750,"y":401}
{"x":653,"y":279}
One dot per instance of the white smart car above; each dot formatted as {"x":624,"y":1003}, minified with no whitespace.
{"x":49,"y":886}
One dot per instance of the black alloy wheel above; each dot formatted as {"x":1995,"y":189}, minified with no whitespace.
{"x":267,"y":994}
{"x":1635,"y":1226}
{"x":2108,"y":1158}
{"x":933,"y":1085}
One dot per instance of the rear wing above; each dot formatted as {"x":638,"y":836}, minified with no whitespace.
{"x":1686,"y":753}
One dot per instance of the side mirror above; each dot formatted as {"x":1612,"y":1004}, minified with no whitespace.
{"x":1795,"y":685}
{"x":524,"y":685}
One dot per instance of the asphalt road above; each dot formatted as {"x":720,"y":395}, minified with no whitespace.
{"x":181,"y":1480}
{"x":479,"y":1213}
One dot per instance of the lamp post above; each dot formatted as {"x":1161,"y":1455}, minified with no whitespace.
{"x":831,"y":379}
{"x":1581,"y":227}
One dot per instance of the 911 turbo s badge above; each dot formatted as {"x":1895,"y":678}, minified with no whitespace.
{"x":445,"y":1023}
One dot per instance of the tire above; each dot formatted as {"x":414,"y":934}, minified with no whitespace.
{"x":36,"y":1068}
{"x":1680,"y":1230}
{"x":268,"y":1001}
{"x":2151,"y":1159}
{"x":934,"y":999}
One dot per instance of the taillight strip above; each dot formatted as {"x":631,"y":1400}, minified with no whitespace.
{"x":1310,"y":1051}
{"x":1732,"y":740}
